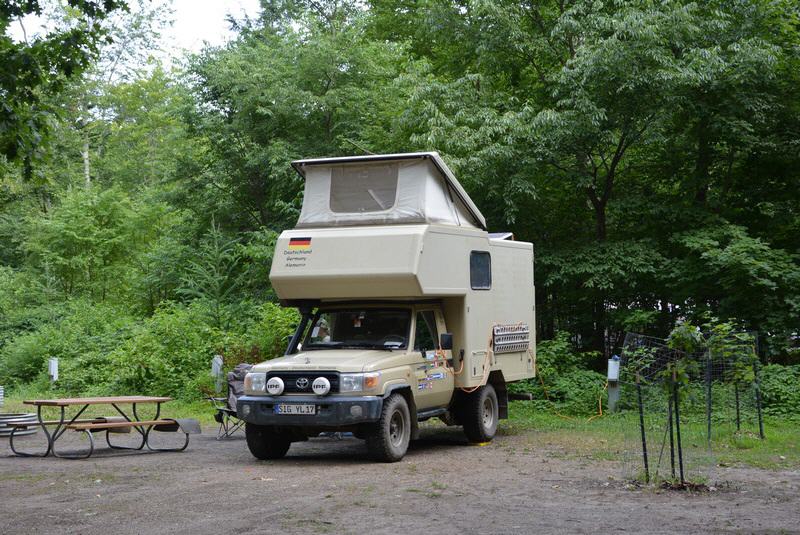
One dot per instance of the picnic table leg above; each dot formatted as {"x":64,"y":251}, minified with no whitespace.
{"x":176,"y":424}
{"x":139,"y":429}
{"x":46,"y":434}
{"x":181,"y":448}
{"x":79,"y":456}
{"x":61,"y":428}
{"x":115,"y":447}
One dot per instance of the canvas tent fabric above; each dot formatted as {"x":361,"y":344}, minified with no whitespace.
{"x":385,"y":189}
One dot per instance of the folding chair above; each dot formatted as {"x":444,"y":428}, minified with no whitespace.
{"x":226,"y":415}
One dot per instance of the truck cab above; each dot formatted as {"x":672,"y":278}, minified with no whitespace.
{"x":409,"y":310}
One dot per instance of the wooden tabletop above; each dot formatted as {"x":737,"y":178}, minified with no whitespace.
{"x":96,"y":401}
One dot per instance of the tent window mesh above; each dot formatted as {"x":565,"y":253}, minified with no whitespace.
{"x":368,"y":188}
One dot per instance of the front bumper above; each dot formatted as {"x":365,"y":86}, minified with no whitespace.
{"x":331,"y":411}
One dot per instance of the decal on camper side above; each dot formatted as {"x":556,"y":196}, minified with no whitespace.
{"x":296,"y":253}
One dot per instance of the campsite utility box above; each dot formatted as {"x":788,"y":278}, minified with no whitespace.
{"x":382,"y":237}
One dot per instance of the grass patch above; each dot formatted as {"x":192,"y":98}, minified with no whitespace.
{"x":604,"y":437}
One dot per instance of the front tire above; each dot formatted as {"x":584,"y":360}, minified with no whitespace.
{"x":264,"y":443}
{"x":389,"y":438}
{"x":480,"y":414}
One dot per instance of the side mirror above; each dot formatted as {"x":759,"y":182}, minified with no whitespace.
{"x":446,"y":341}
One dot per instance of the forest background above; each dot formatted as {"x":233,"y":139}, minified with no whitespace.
{"x":649,"y":149}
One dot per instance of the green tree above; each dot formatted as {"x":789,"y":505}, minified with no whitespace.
{"x":303,"y":82}
{"x":603,"y":131}
{"x":213,"y":276}
{"x":34,"y":68}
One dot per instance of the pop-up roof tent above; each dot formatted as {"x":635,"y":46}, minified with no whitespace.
{"x":384,"y":189}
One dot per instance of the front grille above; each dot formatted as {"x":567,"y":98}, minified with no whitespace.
{"x":290,"y":380}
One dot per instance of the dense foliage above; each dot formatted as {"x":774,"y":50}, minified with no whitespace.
{"x":649,"y":150}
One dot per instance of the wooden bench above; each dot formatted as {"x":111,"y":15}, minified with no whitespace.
{"x":144,"y":427}
{"x":56,"y":422}
{"x":99,"y":421}
{"x":116,"y":424}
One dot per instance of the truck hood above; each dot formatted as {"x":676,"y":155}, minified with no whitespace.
{"x":342,"y":360}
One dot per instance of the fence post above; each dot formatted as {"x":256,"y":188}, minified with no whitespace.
{"x":758,"y":400}
{"x":738,"y":414}
{"x":641,"y":428}
{"x":678,"y":423}
{"x":671,"y":435}
{"x":708,"y":397}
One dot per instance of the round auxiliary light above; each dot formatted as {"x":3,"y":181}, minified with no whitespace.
{"x":321,"y":386}
{"x":275,"y":386}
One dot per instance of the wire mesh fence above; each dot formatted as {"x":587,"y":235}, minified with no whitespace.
{"x":686,"y":404}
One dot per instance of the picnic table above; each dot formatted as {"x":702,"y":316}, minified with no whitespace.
{"x":124,"y":423}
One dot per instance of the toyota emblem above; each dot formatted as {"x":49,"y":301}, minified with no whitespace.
{"x":302,"y":383}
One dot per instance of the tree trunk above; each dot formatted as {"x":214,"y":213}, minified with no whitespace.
{"x":85,"y":155}
{"x":600,"y":222}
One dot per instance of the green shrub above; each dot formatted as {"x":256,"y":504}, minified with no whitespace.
{"x":169,"y":351}
{"x":570,"y":387}
{"x":558,"y":356}
{"x":80,"y":334}
{"x":103,"y":350}
{"x":22,"y":297}
{"x":780,"y":390}
{"x":273,"y":327}
{"x":577,"y":392}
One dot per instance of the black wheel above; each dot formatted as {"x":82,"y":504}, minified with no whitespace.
{"x":264,"y":443}
{"x":480,"y":414}
{"x":388,"y":439}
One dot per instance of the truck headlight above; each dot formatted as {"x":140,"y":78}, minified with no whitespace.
{"x":359,"y":382}
{"x":255,"y":382}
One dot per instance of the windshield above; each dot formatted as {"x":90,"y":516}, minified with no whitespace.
{"x":369,"y":327}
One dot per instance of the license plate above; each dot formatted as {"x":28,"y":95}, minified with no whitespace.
{"x":289,"y":408}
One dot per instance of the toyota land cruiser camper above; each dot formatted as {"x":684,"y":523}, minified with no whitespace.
{"x":410,"y":310}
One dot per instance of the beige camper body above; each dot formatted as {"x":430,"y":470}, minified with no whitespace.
{"x":393,"y":236}
{"x":411,"y":262}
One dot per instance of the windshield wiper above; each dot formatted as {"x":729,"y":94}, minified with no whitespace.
{"x":388,"y":346}
{"x":323,"y":345}
{"x":368,"y":345}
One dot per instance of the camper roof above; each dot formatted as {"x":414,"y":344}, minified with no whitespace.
{"x":384,"y":189}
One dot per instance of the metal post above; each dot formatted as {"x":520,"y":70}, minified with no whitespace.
{"x":738,"y":415}
{"x":671,"y":436}
{"x":678,"y":424}
{"x":708,"y":397}
{"x":641,"y":428}
{"x":758,"y":401}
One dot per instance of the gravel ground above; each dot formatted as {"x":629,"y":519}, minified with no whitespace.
{"x":514,"y":485}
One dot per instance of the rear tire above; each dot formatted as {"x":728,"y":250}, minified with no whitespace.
{"x":480,"y":414}
{"x":388,"y":439}
{"x":264,"y":443}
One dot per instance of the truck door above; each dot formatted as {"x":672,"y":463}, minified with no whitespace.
{"x":434,"y":381}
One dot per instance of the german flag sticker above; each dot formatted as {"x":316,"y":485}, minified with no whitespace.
{"x":299,"y":244}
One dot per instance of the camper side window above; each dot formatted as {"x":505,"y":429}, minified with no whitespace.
{"x":363,"y":188}
{"x":480,"y":270}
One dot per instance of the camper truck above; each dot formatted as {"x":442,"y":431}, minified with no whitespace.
{"x":410,"y":310}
